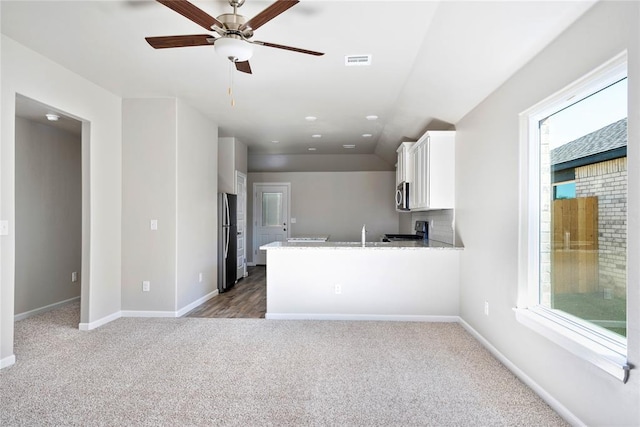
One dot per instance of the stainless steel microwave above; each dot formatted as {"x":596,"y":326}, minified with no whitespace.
{"x":402,"y":196}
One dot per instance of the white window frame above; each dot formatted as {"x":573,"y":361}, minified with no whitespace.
{"x":604,"y":349}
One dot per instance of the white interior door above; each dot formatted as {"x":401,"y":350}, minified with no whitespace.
{"x":271,"y":216}
{"x":241,"y":218}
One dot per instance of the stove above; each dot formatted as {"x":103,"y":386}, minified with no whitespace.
{"x":421,"y":228}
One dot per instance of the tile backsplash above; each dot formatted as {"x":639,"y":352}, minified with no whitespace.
{"x":441,"y":224}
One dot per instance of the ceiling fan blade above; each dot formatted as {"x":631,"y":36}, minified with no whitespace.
{"x":243,"y":66}
{"x":189,"y":11}
{"x":293,"y":49}
{"x":268,"y":14}
{"x":179,"y":41}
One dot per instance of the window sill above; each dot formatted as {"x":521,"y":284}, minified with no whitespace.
{"x":606,"y":352}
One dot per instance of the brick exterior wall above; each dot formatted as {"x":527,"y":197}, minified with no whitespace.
{"x":608,"y":181}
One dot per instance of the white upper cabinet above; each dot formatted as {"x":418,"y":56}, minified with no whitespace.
{"x":403,"y":168}
{"x":432,"y":160}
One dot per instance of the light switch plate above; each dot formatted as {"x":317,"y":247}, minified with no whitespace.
{"x":4,"y":228}
{"x":153,"y":224}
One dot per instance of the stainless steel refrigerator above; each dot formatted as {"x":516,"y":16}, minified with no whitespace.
{"x":227,"y":241}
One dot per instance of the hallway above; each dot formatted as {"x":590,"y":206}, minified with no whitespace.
{"x":247,"y":299}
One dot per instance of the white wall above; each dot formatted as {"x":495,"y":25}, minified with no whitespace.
{"x":30,"y":74}
{"x":487,"y":215}
{"x":232,"y":157}
{"x":149,"y":173}
{"x":317,"y":163}
{"x":197,"y":250}
{"x":48,"y":215}
{"x":335,"y":203}
{"x":170,"y":157}
{"x":241,"y":157}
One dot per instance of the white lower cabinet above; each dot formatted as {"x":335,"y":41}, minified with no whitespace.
{"x":432,"y":161}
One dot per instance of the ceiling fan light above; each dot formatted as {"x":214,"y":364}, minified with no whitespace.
{"x":234,"y":49}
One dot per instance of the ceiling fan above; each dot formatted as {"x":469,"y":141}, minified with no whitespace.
{"x":233,"y":30}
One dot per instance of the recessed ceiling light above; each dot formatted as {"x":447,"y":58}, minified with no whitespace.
{"x":372,"y":117}
{"x":52,"y":117}
{"x":366,"y":135}
{"x":311,"y":149}
{"x":275,"y":142}
{"x":311,"y":118}
{"x":349,"y":146}
{"x":316,"y":135}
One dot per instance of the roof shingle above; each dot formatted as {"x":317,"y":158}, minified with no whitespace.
{"x":607,"y":138}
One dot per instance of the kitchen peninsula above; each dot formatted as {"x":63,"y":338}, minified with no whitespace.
{"x":411,"y":281}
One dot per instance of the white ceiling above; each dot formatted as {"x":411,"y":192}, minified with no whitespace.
{"x":433,"y":61}
{"x":36,"y":111}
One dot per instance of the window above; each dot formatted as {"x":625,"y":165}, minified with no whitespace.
{"x":573,"y":218}
{"x":564,"y":190}
{"x":271,"y":209}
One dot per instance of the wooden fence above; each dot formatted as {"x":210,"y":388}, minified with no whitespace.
{"x":574,"y":260}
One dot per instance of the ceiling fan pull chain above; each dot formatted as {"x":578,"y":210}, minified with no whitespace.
{"x":230,"y":91}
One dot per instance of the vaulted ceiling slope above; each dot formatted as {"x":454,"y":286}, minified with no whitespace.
{"x":431,"y":63}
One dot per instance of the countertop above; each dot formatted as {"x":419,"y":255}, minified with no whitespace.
{"x":309,"y":238}
{"x":402,"y":245}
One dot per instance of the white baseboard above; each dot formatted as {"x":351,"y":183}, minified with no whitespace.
{"x":27,"y":314}
{"x":148,"y":313}
{"x":381,"y":317}
{"x":251,"y":264}
{"x":562,"y":410}
{"x":100,"y":322}
{"x":184,"y":310}
{"x":7,"y":361}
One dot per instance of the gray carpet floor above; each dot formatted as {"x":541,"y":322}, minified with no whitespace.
{"x":256,"y":372}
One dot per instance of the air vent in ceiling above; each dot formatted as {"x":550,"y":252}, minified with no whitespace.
{"x":354,"y":60}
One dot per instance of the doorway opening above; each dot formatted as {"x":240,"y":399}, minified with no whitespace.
{"x":50,"y":210}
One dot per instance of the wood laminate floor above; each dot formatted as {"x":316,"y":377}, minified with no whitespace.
{"x":247,"y":298}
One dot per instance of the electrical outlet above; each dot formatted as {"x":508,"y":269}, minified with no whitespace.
{"x":338,"y":289}
{"x":200,"y":277}
{"x":74,"y":276}
{"x":146,"y":286}
{"x":486,"y":308}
